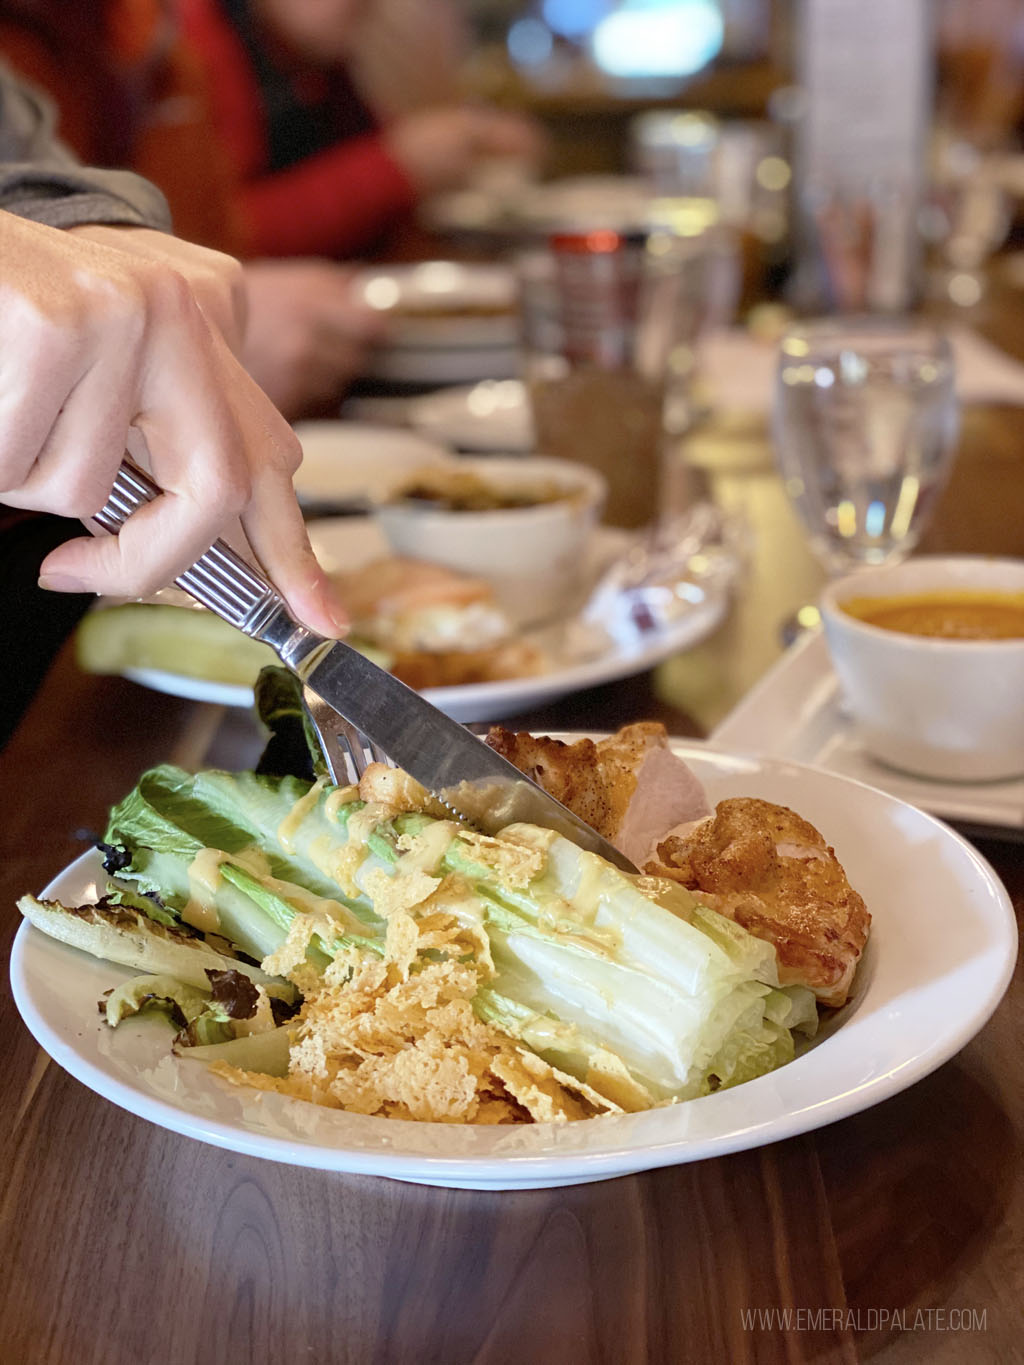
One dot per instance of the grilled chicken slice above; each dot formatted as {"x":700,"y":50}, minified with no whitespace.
{"x":772,"y":872}
{"x":630,"y":787}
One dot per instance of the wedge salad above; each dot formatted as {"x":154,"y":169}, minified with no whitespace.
{"x":357,"y":947}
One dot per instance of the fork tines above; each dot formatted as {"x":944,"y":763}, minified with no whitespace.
{"x":346,"y":749}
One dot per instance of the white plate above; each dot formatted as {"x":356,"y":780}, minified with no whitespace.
{"x":941,"y":954}
{"x":443,"y":364}
{"x":448,"y":322}
{"x":584,"y":202}
{"x":509,"y":204}
{"x":796,"y":712}
{"x":346,"y":542}
{"x":490,"y":417}
{"x":358,"y":460}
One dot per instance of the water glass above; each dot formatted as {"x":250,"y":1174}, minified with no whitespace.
{"x":865,"y":427}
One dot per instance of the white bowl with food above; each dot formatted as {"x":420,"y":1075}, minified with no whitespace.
{"x":353,"y":464}
{"x":930,"y":657}
{"x":522,"y":524}
{"x":447,"y":322}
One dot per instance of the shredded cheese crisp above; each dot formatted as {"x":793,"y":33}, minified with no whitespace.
{"x":397,"y":1036}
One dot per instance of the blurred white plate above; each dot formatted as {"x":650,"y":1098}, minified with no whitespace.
{"x":796,"y":712}
{"x":429,"y":365}
{"x":490,"y":417}
{"x":448,"y":322}
{"x":941,"y":953}
{"x":578,"y":659}
{"x":354,"y":461}
{"x":619,"y":202}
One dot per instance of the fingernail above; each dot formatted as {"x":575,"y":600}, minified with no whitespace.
{"x":333,"y":608}
{"x":61,"y":582}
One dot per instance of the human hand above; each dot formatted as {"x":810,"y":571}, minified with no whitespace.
{"x":440,"y":148}
{"x":107,"y":347}
{"x":308,"y":331}
{"x":216,"y":280}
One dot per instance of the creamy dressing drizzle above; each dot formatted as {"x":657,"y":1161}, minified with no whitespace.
{"x":204,"y":879}
{"x":288,"y":828}
{"x":341,"y":796}
{"x":308,"y":903}
{"x":423,"y":852}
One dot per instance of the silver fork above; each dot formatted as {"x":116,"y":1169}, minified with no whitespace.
{"x":346,"y":750}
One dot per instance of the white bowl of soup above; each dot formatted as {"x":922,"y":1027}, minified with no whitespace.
{"x":930,"y":657}
{"x":522,"y":523}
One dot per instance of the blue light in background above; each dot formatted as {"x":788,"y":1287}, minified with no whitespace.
{"x":574,"y":18}
{"x":529,"y":42}
{"x":874,"y":519}
{"x":658,"y":38}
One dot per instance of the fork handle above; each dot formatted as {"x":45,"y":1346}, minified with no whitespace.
{"x":220,"y":579}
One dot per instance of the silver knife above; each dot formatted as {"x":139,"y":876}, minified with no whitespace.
{"x":470,"y":778}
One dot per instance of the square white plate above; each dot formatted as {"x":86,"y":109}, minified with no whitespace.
{"x":796,"y":712}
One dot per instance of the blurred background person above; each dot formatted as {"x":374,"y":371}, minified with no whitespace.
{"x":341,"y":115}
{"x":130,"y":94}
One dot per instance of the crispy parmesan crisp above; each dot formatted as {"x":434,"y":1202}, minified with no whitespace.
{"x":396,"y":1035}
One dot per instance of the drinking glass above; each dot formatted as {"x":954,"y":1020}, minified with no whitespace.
{"x":865,"y":426}
{"x":610,"y":326}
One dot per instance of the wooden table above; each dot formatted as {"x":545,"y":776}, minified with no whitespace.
{"x":893,"y":1235}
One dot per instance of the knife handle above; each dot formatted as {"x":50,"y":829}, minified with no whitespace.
{"x":220,"y":579}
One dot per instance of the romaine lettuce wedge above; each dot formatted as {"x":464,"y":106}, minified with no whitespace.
{"x":280,"y":835}
{"x":630,"y":985}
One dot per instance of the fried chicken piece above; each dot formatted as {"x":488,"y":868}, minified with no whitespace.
{"x":462,"y":667}
{"x":630,"y":786}
{"x":409,"y":605}
{"x":772,"y":872}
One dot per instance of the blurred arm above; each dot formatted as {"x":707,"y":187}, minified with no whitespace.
{"x":40,"y":179}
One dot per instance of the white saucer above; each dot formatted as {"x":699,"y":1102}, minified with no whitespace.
{"x":488,"y":418}
{"x":796,"y":712}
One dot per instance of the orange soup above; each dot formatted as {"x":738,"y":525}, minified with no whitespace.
{"x":946,"y":614}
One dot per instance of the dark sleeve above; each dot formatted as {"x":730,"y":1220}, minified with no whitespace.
{"x":41,"y":180}
{"x":33,"y":624}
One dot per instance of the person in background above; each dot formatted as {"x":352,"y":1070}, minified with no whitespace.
{"x":321,"y":168}
{"x":130,"y":94}
{"x":116,"y":335}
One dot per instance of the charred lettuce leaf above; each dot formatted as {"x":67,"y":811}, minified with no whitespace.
{"x":125,"y":936}
{"x":292,"y":749}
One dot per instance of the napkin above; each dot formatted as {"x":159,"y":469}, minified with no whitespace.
{"x":737,"y":371}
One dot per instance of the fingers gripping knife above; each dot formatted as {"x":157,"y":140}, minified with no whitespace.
{"x":476,"y":783}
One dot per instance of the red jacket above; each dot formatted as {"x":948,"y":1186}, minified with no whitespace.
{"x":336,"y":201}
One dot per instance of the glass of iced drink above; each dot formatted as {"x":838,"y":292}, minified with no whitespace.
{"x":610,"y":321}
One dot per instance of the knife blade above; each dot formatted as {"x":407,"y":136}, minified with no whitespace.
{"x":470,"y":778}
{"x":451,"y":762}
